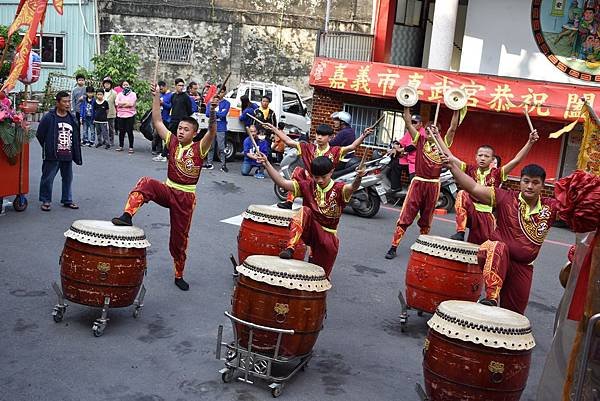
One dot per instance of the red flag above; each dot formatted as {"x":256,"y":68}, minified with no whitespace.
{"x":210,"y":93}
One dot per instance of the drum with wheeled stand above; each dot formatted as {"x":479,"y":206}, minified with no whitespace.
{"x":102,"y":265}
{"x":278,"y":309}
{"x":439,"y":269}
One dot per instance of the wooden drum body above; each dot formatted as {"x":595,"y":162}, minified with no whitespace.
{"x":265,"y":231}
{"x":283,"y":294}
{"x":440,"y":269}
{"x":477,"y":353}
{"x":100,"y":260}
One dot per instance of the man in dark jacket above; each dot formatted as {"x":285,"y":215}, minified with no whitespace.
{"x":58,"y":134}
{"x":180,"y":105}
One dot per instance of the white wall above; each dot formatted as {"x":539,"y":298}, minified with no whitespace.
{"x":499,"y":40}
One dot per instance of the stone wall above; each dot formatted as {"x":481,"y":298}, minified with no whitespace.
{"x":263,"y":40}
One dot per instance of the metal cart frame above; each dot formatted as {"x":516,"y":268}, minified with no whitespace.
{"x":99,"y":325}
{"x":404,"y":311}
{"x":254,"y":364}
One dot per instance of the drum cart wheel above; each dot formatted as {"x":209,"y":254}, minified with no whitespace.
{"x":403,"y":312}
{"x":60,"y":308}
{"x":20,"y":203}
{"x":253,"y":364}
{"x":139,"y":302}
{"x":100,"y":323}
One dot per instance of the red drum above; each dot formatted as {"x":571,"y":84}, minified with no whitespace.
{"x":100,"y":259}
{"x":283,"y":294}
{"x":476,"y":352}
{"x":265,"y":231}
{"x":442,"y":269}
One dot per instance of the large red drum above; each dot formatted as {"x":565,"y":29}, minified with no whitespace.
{"x":265,"y":231}
{"x":100,"y":259}
{"x":441,"y":269}
{"x":476,"y":352}
{"x":282,"y":294}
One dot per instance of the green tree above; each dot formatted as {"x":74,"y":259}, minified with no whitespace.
{"x":120,"y":63}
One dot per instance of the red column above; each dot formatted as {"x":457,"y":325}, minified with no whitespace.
{"x":384,"y":31}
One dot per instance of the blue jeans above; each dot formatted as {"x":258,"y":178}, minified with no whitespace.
{"x":247,"y":167}
{"x":49,"y":170}
{"x":89,"y":131}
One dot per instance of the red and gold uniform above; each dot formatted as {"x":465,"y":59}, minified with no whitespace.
{"x":507,"y":257}
{"x":477,"y":216}
{"x":317,"y":221}
{"x":423,"y":191}
{"x":177,"y":193}
{"x":308,"y":152}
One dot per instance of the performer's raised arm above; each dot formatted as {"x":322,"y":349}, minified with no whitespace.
{"x":350,"y":188}
{"x":208,"y":139}
{"x":449,"y":138}
{"x":533,"y":138}
{"x":288,"y":185}
{"x":157,"y":122}
{"x":357,"y":141}
{"x":408,"y":123}
{"x":481,"y":193}
{"x":286,"y":139}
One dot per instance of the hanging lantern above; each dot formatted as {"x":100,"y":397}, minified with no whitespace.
{"x":2,"y":43}
{"x":31,"y":69}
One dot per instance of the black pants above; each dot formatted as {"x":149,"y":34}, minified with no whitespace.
{"x":126,"y":126}
{"x":396,"y":170}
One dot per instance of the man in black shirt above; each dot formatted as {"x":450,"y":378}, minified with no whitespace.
{"x":58,"y":134}
{"x":180,"y":105}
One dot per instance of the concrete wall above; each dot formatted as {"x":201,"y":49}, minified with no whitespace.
{"x":498,"y":40}
{"x":265,"y":40}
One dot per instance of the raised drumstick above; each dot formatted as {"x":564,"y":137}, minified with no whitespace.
{"x":255,"y":119}
{"x":437,"y":112}
{"x":528,"y":119}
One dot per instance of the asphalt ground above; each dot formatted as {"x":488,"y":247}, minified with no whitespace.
{"x":168,"y":353}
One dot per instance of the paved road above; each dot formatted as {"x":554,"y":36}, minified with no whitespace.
{"x":168,"y":354}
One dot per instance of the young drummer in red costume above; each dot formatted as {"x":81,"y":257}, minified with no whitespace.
{"x":477,"y":216}
{"x":308,"y":151}
{"x":178,"y":192}
{"x":524,"y":218}
{"x":323,"y":202}
{"x":424,"y":188}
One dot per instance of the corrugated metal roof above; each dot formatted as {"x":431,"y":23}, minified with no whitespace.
{"x":79,"y":47}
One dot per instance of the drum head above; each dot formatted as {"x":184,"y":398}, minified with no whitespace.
{"x":105,"y":233}
{"x":446,"y":248}
{"x":490,"y":326}
{"x":269,"y":215}
{"x":288,"y":273}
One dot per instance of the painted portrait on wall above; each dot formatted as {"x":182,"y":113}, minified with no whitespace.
{"x":566,"y":31}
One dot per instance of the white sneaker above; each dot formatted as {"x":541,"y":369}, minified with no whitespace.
{"x":159,"y":158}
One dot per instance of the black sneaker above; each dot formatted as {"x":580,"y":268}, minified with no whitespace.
{"x":182,"y":284}
{"x":98,"y":145}
{"x":285,"y":205}
{"x":287,"y":253}
{"x":208,"y":166}
{"x":459,"y":236}
{"x":107,"y":146}
{"x":391,"y":253}
{"x":488,"y":302}
{"x":123,"y":220}
{"x":224,"y":169}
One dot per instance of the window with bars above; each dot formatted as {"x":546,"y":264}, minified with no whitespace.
{"x":392,"y":126}
{"x":50,"y":48}
{"x":175,"y":50}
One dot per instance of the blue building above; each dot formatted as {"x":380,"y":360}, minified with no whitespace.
{"x":65,"y":45}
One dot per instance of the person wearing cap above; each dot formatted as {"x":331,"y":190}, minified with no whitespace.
{"x":424,"y":189}
{"x":110,"y":95}
{"x":345,"y":134}
{"x":309,"y":151}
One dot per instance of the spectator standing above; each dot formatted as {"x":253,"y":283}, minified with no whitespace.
{"x":77,"y":96}
{"x":165,"y":114}
{"x":345,"y":134}
{"x":101,"y":119}
{"x":221,"y":112}
{"x":58,"y":134}
{"x":86,"y":113}
{"x":192,"y":90}
{"x":248,"y":107}
{"x":126,"y":108}
{"x":180,"y":105}
{"x":110,"y":95}
{"x":250,"y":153}
{"x":264,"y":113}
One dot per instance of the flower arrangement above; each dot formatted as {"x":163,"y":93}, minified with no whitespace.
{"x":14,"y":129}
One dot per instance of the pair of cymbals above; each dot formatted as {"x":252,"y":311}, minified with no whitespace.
{"x":454,"y":98}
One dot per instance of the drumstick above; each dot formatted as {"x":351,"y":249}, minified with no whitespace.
{"x":256,"y":119}
{"x":155,"y":77}
{"x":437,"y":111}
{"x":528,"y":119}
{"x":377,"y":122}
{"x":225,"y":81}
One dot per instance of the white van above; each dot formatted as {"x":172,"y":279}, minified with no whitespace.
{"x":285,"y":102}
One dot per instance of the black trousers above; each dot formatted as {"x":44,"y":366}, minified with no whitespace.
{"x":126,"y":126}
{"x":395,"y":174}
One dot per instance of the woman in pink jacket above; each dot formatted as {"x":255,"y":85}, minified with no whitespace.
{"x":125,"y":104}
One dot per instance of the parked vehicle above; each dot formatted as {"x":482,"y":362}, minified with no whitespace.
{"x":288,"y":105}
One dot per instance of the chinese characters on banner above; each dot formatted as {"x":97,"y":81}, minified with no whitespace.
{"x":489,"y":93}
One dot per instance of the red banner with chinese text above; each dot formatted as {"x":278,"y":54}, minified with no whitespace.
{"x":486,"y":92}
